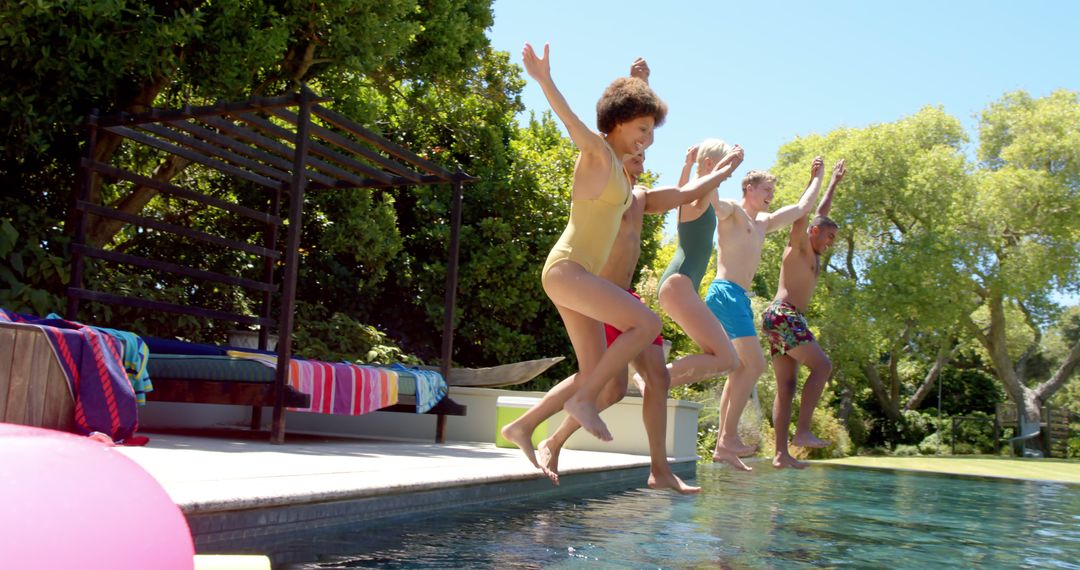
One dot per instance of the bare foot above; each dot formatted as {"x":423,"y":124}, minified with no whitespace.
{"x":736,"y":446}
{"x":783,"y":460}
{"x":586,"y":414}
{"x":548,"y":455}
{"x":517,"y":435}
{"x":722,"y":455}
{"x":808,"y":440}
{"x":665,"y":479}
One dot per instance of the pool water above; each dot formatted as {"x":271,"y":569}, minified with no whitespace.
{"x":821,"y":517}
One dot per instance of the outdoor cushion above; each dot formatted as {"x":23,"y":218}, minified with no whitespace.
{"x":208,"y":367}
{"x":227,"y":368}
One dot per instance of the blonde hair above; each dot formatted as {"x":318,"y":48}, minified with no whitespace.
{"x":715,"y":149}
{"x":755,"y":177}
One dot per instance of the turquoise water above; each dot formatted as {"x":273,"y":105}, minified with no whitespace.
{"x":822,"y":517}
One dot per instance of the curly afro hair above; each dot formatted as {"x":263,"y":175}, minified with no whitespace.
{"x":626,"y":99}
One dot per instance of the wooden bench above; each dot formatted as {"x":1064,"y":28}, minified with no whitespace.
{"x":33,"y":388}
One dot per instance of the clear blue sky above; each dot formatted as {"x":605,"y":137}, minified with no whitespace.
{"x":763,"y":73}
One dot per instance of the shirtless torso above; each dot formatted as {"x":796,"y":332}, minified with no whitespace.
{"x":799,"y":273}
{"x":623,"y":259}
{"x":739,"y":241}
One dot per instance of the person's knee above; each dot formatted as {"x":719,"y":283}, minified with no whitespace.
{"x":650,"y":324}
{"x":753,"y":365}
{"x":826,"y":367}
{"x":657,"y":377}
{"x":725,"y":359}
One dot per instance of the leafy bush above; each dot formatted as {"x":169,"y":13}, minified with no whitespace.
{"x":977,"y":434}
{"x":706,"y":442}
{"x":905,"y":450}
{"x":965,"y":449}
{"x":933,"y":445}
{"x":858,"y":427}
{"x":825,"y":425}
{"x":336,"y":336}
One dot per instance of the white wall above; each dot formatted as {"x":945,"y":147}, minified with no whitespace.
{"x":623,"y":419}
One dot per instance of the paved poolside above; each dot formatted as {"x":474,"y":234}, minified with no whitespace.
{"x":235,"y":488}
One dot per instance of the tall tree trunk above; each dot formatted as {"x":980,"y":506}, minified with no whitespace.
{"x":102,"y":230}
{"x":888,"y":405}
{"x":1029,"y":401}
{"x":945,"y":353}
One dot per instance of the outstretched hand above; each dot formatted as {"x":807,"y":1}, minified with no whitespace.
{"x":817,"y":169}
{"x":838,"y":171}
{"x":640,"y":69}
{"x":734,"y":157}
{"x":691,"y":154}
{"x":539,"y":68}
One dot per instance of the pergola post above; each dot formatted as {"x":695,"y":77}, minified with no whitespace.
{"x":292,"y":260}
{"x":451,"y":297}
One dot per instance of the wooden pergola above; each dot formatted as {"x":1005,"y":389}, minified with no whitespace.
{"x":288,"y":145}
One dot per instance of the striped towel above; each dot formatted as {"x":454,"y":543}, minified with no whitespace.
{"x":430,"y":387}
{"x":91,"y":361}
{"x":342,"y":389}
{"x":135,"y":354}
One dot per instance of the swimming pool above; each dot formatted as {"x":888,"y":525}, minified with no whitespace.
{"x":820,"y":517}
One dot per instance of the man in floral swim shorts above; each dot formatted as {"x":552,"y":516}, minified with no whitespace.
{"x":790,"y":341}
{"x":786,"y":327}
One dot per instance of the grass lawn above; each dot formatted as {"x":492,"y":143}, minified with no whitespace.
{"x":1059,"y":470}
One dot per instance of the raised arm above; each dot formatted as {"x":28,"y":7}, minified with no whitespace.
{"x":691,"y":159}
{"x":787,"y":215}
{"x":584,"y":138}
{"x":640,"y":69}
{"x":663,"y":199}
{"x":826,"y":199}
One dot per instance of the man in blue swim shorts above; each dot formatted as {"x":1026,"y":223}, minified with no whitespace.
{"x":728,"y":301}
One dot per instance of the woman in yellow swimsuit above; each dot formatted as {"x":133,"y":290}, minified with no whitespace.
{"x":627,"y":113}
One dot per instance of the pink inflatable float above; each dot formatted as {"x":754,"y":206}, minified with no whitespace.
{"x":69,"y":502}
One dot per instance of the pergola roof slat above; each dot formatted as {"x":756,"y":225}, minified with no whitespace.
{"x":343,"y":142}
{"x":194,"y":156}
{"x":255,"y":152}
{"x":393,"y":149}
{"x":219,"y":152}
{"x":318,"y":149}
{"x":276,"y":147}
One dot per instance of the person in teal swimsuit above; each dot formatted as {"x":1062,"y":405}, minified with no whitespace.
{"x":678,"y":286}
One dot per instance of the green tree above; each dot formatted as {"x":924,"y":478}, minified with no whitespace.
{"x":934,"y":250}
{"x":873,"y":309}
{"x":1022,"y":234}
